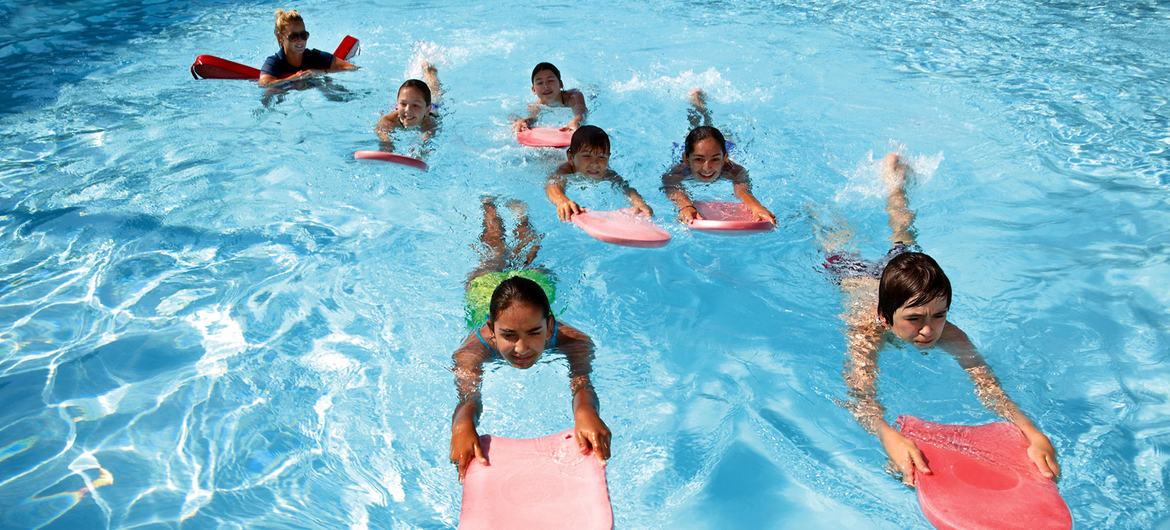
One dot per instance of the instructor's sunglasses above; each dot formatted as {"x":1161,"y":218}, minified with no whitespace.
{"x":298,"y":35}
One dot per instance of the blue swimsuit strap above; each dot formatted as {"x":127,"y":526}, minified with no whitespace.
{"x":489,"y":347}
{"x":552,"y":341}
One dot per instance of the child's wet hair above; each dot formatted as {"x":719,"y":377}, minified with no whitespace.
{"x":518,"y":289}
{"x":701,"y":133}
{"x":589,"y":136}
{"x":546,"y":66}
{"x":419,"y":86}
{"x":911,"y":279}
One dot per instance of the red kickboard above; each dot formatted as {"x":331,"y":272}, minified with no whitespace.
{"x":536,"y":483}
{"x":544,"y":137}
{"x":622,"y":227}
{"x":393,"y":158}
{"x":727,"y":217}
{"x":212,"y":67}
{"x":981,"y":478}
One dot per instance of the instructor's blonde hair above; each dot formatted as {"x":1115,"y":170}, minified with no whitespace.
{"x":284,"y":19}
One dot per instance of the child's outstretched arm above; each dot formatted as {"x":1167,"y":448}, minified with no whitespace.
{"x":861,"y":379}
{"x":672,"y":186}
{"x":592,"y":433}
{"x":632,"y":194}
{"x":469,"y":359}
{"x":523,"y":124}
{"x":555,"y":189}
{"x":992,"y":395}
{"x":743,"y":190}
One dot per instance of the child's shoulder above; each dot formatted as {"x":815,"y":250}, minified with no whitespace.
{"x":572,"y":95}
{"x":564,"y":168}
{"x":566,"y":331}
{"x":388,"y":120}
{"x":473,"y":349}
{"x":430,"y":121}
{"x":734,"y":170}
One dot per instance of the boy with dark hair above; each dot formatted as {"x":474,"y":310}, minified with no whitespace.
{"x":588,"y":159}
{"x":550,"y":92}
{"x":913,"y":296}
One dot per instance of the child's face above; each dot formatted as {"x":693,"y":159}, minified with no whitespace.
{"x":921,"y":325}
{"x":547,"y":87}
{"x":591,"y":161}
{"x":706,"y":160}
{"x":412,"y":107}
{"x":521,"y":332}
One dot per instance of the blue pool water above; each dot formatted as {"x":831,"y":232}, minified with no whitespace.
{"x":211,"y":316}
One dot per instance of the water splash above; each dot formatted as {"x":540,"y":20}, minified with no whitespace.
{"x":679,"y":86}
{"x":864,"y":182}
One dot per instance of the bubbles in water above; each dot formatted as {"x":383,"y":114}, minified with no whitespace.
{"x":679,"y":86}
{"x":864,"y":181}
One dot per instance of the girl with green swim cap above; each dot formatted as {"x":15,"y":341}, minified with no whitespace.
{"x":509,"y":306}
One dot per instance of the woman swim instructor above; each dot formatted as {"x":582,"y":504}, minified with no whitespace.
{"x":294,"y":61}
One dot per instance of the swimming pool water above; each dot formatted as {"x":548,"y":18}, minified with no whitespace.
{"x":211,"y":316}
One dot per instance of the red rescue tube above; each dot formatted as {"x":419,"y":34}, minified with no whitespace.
{"x":348,"y":48}
{"x":212,"y":67}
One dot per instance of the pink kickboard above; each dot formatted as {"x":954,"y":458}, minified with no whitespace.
{"x":622,"y":227}
{"x":544,"y":137}
{"x":981,"y":478}
{"x":537,"y":483}
{"x":390,"y":157}
{"x":727,"y":216}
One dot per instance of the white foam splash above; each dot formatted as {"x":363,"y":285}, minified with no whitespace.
{"x":865,"y":180}
{"x":222,"y":338}
{"x":494,"y":45}
{"x":679,"y":86}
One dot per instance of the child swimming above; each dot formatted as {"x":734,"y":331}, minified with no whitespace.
{"x":509,"y":308}
{"x":550,"y":92}
{"x":705,"y":160}
{"x":905,"y":300}
{"x":293,"y":61}
{"x":588,"y":157}
{"x":413,"y":107}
